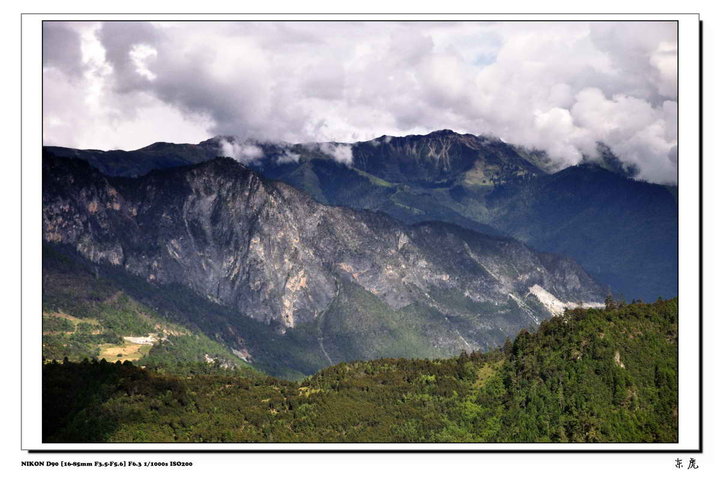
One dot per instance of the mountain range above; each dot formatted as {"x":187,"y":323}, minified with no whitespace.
{"x":620,"y":230}
{"x":326,"y":283}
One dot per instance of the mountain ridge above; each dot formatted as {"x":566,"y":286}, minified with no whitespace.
{"x":477,"y":182}
{"x":274,"y":254}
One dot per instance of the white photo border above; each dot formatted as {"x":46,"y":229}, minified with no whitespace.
{"x":689,"y":244}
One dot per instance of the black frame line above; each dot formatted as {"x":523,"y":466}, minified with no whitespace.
{"x":398,"y":450}
{"x":373,"y":14}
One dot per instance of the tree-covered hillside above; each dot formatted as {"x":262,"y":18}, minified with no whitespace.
{"x":86,"y":316}
{"x":585,"y":376}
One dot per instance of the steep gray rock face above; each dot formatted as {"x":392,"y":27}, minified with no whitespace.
{"x":272,"y":253}
{"x":624,"y":232}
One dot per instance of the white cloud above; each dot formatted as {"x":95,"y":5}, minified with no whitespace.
{"x":664,"y":59}
{"x":141,"y":56}
{"x":242,"y":151}
{"x":288,"y":157}
{"x":342,"y":153}
{"x":555,"y":86}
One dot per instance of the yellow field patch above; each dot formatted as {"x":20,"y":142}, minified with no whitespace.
{"x":126,"y":351}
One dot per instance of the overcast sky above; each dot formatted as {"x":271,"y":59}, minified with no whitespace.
{"x":560,"y":87}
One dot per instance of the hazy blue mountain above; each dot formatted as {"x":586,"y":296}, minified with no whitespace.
{"x":623,"y":231}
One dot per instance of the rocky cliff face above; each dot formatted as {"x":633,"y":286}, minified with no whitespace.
{"x":274,"y":254}
{"x":623,"y":231}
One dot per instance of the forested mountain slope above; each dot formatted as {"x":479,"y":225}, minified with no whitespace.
{"x":584,"y":376}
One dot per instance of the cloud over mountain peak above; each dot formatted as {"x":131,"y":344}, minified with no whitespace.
{"x":559,"y":87}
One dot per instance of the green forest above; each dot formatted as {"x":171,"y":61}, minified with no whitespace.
{"x":588,"y":375}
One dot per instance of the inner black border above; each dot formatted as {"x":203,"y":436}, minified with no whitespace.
{"x":445,"y":17}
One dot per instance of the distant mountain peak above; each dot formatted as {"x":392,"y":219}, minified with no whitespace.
{"x":217,"y":140}
{"x":161,"y":146}
{"x":605,"y":158}
{"x":443,"y":132}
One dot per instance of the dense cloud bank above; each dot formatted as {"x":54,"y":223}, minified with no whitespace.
{"x":560,"y":87}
